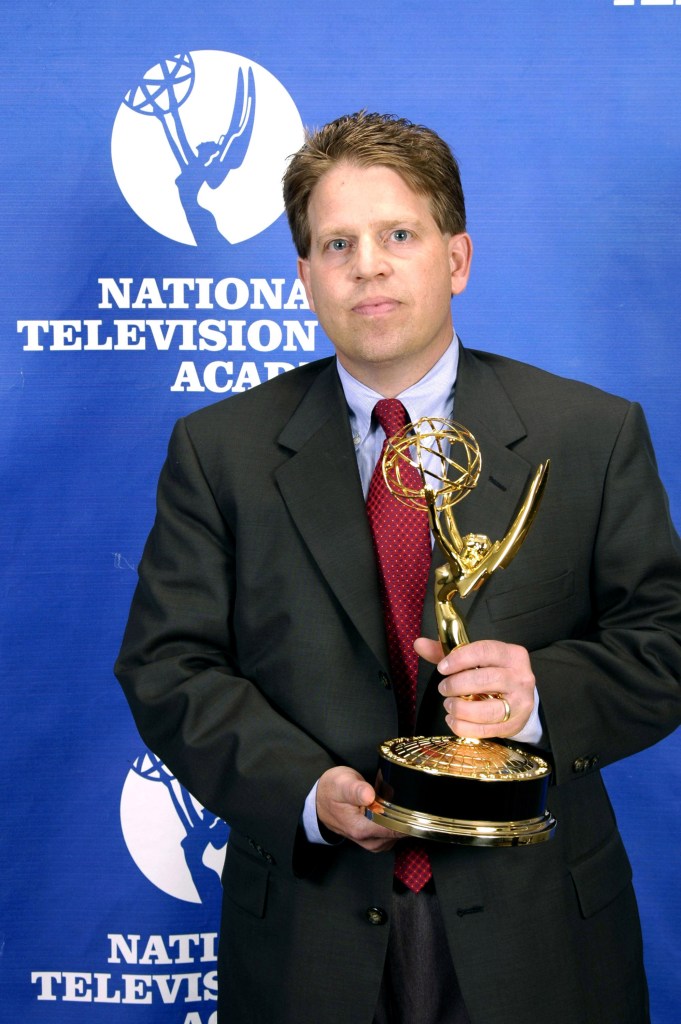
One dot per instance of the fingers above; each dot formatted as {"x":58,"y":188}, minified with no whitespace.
{"x":488,"y":689}
{"x":429,"y":650}
{"x":488,"y":718}
{"x":342,"y":798}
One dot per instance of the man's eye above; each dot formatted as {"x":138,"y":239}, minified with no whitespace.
{"x":338,"y":245}
{"x":401,"y":235}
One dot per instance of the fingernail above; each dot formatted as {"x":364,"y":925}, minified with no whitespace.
{"x":443,"y":667}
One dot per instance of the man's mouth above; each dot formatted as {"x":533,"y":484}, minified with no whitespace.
{"x":378,"y":306}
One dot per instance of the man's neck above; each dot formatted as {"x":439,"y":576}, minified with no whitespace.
{"x":390,"y":379}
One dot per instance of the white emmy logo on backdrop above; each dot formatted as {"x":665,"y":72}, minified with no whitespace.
{"x":176,"y":844}
{"x":200,"y":144}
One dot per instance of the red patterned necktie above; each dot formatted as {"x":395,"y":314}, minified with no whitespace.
{"x":403,"y":552}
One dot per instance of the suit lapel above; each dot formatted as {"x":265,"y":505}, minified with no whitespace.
{"x":321,"y":487}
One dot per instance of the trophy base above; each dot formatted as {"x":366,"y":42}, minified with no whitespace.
{"x":454,"y":790}
{"x":464,"y":832}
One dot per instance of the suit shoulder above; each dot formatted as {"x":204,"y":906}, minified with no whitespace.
{"x":271,"y":402}
{"x":533,"y":386}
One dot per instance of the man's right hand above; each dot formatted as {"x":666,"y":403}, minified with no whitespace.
{"x":342,"y":797}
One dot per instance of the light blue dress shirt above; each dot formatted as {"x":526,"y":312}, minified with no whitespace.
{"x":433,"y":396}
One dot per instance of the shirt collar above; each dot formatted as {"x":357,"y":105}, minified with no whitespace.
{"x":433,"y":395}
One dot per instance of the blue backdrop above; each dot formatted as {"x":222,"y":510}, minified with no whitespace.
{"x":139,"y":284}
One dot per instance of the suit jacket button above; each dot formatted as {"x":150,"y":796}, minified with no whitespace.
{"x":385,"y":680}
{"x":376,"y":915}
{"x":580,"y":765}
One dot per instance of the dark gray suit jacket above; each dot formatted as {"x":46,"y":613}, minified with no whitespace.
{"x":255,"y":659}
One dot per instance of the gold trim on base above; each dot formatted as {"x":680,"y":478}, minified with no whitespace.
{"x":455,"y":830}
{"x":464,"y":758}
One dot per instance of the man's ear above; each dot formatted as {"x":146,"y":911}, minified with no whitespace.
{"x":460,"y":256}
{"x":304,"y":275}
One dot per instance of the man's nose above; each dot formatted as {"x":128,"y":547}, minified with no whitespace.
{"x":371,"y":258}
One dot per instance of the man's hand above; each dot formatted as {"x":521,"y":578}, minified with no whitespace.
{"x":342,"y":796}
{"x":486,"y":666}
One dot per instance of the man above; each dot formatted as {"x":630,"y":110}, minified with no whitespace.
{"x":260,"y":667}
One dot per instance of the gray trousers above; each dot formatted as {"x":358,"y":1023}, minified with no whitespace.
{"x":419,"y":981}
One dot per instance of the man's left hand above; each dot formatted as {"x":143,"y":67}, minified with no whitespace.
{"x":483,"y":667}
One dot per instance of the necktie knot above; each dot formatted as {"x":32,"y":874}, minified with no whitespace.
{"x":390,"y":415}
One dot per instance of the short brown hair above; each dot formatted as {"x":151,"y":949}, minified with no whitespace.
{"x":421,"y":158}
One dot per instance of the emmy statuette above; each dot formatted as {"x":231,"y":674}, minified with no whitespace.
{"x":451,"y":788}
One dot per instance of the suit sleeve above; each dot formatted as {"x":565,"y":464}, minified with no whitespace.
{"x":178,"y":668}
{"x":615,"y":689}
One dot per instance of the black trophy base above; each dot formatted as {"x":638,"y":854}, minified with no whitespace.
{"x":472,"y":792}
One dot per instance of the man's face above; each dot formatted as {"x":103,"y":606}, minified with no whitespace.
{"x":380,"y":275}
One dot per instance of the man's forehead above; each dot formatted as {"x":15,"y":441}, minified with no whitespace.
{"x":354,"y":193}
{"x":344,"y":169}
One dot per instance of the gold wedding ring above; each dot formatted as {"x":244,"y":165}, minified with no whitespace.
{"x":491,"y":696}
